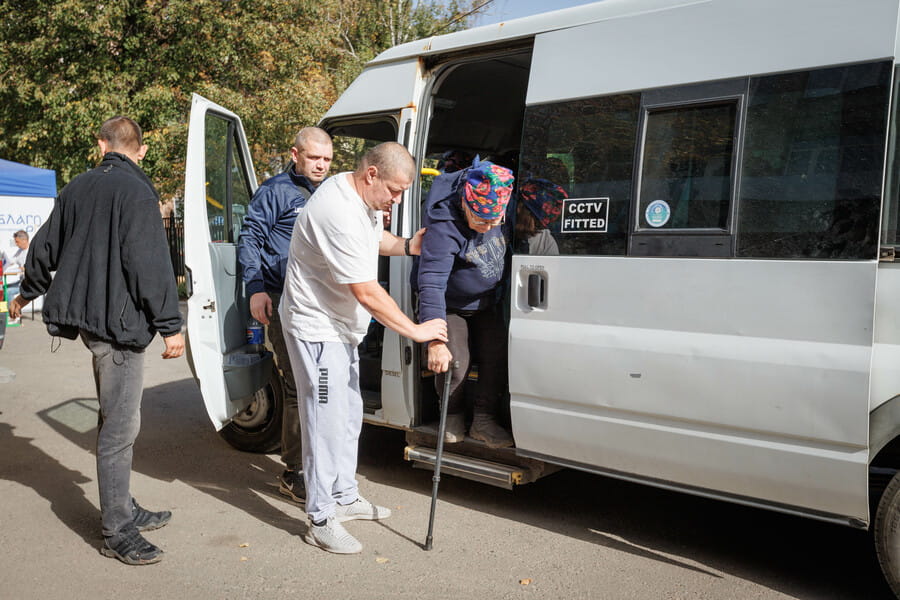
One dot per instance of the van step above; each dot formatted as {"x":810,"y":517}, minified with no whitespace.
{"x":484,"y":471}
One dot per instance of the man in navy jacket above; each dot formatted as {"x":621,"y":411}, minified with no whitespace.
{"x":263,"y":251}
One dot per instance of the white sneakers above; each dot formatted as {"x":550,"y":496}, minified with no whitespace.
{"x":332,"y":537}
{"x":361,"y":509}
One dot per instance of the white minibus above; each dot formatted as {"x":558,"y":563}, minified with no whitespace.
{"x":719,"y":309}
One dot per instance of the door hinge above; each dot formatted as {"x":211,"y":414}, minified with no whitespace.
{"x":211,"y":306}
{"x":886,"y":254}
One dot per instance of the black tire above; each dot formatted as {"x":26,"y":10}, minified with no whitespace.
{"x":887,"y":534}
{"x":258,"y":428}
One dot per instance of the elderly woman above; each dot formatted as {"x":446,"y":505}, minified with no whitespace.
{"x":460,"y":271}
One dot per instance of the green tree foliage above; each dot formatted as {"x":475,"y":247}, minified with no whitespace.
{"x":67,"y":65}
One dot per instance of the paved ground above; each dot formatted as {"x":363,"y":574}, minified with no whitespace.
{"x":570,"y":535}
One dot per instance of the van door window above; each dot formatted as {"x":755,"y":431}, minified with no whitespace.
{"x":227,"y":189}
{"x":576,"y":156}
{"x":811,"y":180}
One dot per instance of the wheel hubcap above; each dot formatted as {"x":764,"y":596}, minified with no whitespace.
{"x":256,"y":414}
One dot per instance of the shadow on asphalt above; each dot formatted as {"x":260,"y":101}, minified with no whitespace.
{"x":25,"y":463}
{"x":801,"y":558}
{"x":177,"y":442}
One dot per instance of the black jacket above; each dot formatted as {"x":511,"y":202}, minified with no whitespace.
{"x":106,"y":242}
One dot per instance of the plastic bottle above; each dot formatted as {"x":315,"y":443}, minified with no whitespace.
{"x":256,"y":337}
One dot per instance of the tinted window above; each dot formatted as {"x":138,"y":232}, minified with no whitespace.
{"x":227,"y":189}
{"x":583,"y":149}
{"x":890,"y":220}
{"x":686,"y":167}
{"x":240,"y":187}
{"x":812,"y":165}
{"x":216,"y":176}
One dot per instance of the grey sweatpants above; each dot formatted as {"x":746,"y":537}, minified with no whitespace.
{"x":331,"y":408}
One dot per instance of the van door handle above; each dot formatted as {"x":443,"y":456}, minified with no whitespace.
{"x":537,"y":291}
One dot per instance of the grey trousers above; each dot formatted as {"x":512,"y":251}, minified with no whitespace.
{"x":479,"y":337}
{"x":331,"y":410}
{"x":291,"y":445}
{"x":119,"y":377}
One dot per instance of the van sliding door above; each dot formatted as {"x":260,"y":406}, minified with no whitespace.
{"x":693,"y":298}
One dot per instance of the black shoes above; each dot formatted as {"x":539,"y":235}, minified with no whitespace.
{"x":129,"y":545}
{"x":292,"y":486}
{"x":131,"y":548}
{"x":144,"y":520}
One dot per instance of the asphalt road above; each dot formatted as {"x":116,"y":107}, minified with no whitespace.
{"x":569,"y":535}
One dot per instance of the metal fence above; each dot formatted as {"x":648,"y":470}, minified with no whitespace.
{"x":175,"y":236}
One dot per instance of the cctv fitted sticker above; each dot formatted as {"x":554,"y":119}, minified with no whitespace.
{"x":657,"y":213}
{"x":585,"y":215}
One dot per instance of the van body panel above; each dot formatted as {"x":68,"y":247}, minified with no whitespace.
{"x":811,"y":479}
{"x":886,"y":350}
{"x":739,"y":375}
{"x":379,"y":88}
{"x":735,"y":38}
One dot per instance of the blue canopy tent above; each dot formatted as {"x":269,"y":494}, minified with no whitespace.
{"x":21,"y":180}
{"x":26,"y":199}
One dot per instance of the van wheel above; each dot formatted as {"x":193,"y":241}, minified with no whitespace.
{"x":887,"y":533}
{"x":258,"y":427}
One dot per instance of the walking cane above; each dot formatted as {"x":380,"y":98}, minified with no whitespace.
{"x":440,"y":451}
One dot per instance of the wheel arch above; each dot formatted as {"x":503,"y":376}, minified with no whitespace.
{"x":884,"y":434}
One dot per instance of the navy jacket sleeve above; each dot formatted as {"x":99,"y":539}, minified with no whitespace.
{"x":441,"y":244}
{"x":260,"y":220}
{"x":439,"y":248}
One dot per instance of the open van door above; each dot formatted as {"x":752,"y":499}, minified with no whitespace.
{"x":219,"y":182}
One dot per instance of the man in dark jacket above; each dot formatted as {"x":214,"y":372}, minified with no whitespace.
{"x":115,"y":287}
{"x":263,"y":253}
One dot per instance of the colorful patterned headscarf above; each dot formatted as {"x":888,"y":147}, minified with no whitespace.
{"x":487,"y":189}
{"x":544,"y":199}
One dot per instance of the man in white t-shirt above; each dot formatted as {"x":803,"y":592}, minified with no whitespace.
{"x":331,"y":291}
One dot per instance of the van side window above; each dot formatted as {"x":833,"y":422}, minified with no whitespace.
{"x":687,"y":164}
{"x":586,"y":149}
{"x":688,"y":153}
{"x":811,"y":179}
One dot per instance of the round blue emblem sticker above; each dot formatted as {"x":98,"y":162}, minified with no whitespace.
{"x":657,"y":213}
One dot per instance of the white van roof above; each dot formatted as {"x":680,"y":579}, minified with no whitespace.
{"x":526,"y":27}
{"x":805,"y":16}
{"x":617,"y":46}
